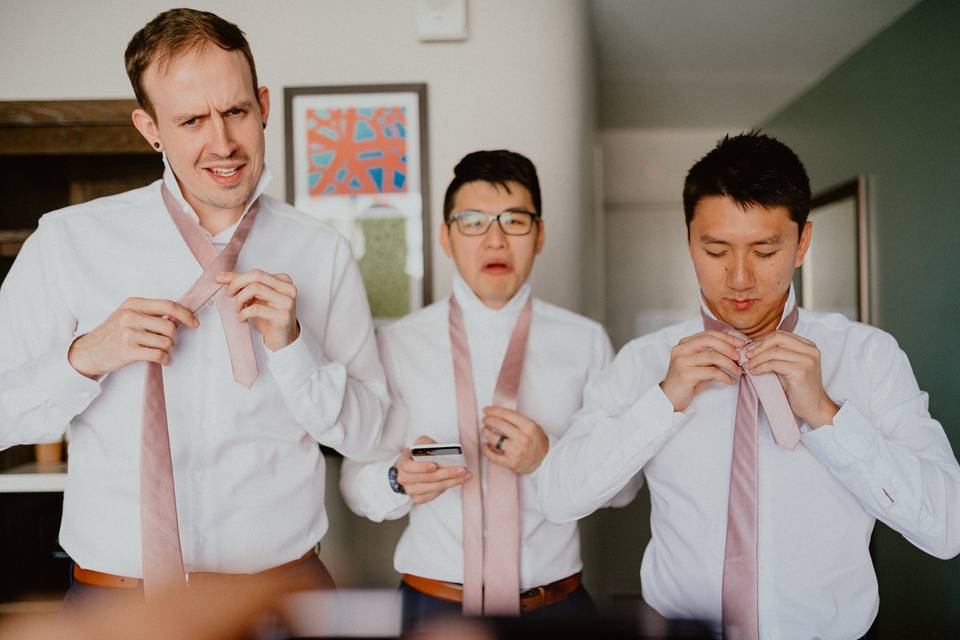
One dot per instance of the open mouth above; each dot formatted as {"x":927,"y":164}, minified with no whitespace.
{"x":225,"y":175}
{"x":497,"y":267}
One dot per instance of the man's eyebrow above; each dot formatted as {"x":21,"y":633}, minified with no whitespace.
{"x":708,"y":239}
{"x":243,"y":104}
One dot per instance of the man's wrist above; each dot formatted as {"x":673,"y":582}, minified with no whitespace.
{"x":825,"y":414}
{"x":74,"y":357}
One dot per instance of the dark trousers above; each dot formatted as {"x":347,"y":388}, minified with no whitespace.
{"x":419,"y":608}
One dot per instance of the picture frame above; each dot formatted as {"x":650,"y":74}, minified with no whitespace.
{"x":357,"y":158}
{"x":836,"y":272}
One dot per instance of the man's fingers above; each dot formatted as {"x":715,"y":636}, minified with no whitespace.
{"x":721,"y":375}
{"x":258,"y":290}
{"x":154,"y":341}
{"x":500,"y":427}
{"x":438,"y":474}
{"x":415,"y":488}
{"x":713,"y":359}
{"x":524,"y":423}
{"x":160,"y":308}
{"x":425,"y":440}
{"x":146,"y":354}
{"x":262,"y":312}
{"x":406,"y":464}
{"x":781,"y":339}
{"x":502,"y":458}
{"x":492,"y":437}
{"x":714,"y":342}
{"x":776,"y":353}
{"x":153,"y":324}
{"x":236,"y":281}
{"x":721,"y":336}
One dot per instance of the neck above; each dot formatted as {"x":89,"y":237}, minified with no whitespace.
{"x":217,"y":220}
{"x":213,"y":219}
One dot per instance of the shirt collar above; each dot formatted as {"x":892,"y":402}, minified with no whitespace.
{"x":474,"y":308}
{"x":787,"y":308}
{"x":170,"y":180}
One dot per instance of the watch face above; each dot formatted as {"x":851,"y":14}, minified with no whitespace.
{"x":394,"y":484}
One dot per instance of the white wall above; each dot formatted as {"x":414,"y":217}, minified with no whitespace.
{"x":521,"y":81}
{"x":650,"y":281}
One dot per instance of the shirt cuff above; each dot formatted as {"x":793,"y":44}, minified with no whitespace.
{"x":551,"y":443}
{"x":848,"y":440}
{"x":71,"y":387}
{"x":297,"y":361}
{"x":655,"y":414}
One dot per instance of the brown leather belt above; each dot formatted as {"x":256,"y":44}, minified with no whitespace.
{"x":530,"y":600}
{"x":109,"y":580}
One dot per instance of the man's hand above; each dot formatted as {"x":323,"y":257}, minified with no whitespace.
{"x":139,"y":330}
{"x":269,"y":300}
{"x":425,"y":481}
{"x":796,"y":361}
{"x":524,"y":442}
{"x":698,"y":359}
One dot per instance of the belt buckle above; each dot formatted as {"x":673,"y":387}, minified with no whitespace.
{"x":536,"y":598}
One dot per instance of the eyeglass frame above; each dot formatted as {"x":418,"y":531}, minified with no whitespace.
{"x":534,"y":218}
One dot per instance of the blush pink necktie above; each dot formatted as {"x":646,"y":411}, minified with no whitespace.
{"x":740,"y":573}
{"x":491,"y":526}
{"x":161,"y":554}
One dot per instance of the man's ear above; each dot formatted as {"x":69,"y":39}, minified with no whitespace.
{"x":445,"y":239}
{"x":540,"y":238}
{"x":263,"y":99}
{"x":147,"y":127}
{"x":805,"y":237}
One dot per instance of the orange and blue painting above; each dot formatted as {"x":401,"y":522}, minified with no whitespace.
{"x":355,"y":150}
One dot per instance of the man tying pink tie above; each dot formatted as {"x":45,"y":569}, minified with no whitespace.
{"x":500,"y":374}
{"x":197,"y":337}
{"x":771,"y":438}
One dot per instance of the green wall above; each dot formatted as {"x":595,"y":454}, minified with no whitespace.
{"x":892,"y":112}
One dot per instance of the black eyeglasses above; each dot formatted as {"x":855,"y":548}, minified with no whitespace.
{"x":477,"y":223}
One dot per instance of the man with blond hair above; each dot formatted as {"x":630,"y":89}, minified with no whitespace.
{"x":196,"y":337}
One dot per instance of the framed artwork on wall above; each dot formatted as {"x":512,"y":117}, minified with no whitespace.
{"x":356,"y":158}
{"x":835,"y":275}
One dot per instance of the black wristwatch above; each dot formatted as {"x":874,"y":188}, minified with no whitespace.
{"x":394,"y":483}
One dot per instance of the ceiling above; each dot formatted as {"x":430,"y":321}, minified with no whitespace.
{"x":721,"y":63}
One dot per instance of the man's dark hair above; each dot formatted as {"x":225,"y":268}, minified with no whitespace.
{"x":175,"y":32}
{"x":496,"y":167}
{"x":753,"y":169}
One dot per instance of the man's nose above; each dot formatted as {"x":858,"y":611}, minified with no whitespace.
{"x":740,"y":274}
{"x":221,"y":141}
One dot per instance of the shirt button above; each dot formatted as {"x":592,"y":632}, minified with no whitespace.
{"x":209,"y":303}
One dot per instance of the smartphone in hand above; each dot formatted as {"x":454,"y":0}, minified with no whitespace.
{"x":442,"y":454}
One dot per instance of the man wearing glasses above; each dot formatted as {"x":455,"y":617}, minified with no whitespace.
{"x":500,"y":374}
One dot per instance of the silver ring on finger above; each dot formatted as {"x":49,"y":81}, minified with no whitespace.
{"x":500,"y":441}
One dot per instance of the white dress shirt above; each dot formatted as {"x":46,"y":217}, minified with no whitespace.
{"x":564,"y":351}
{"x":883,"y":457}
{"x":249,"y":474}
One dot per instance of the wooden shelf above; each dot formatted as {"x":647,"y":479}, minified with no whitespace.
{"x":34,"y":478}
{"x":11,"y":240}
